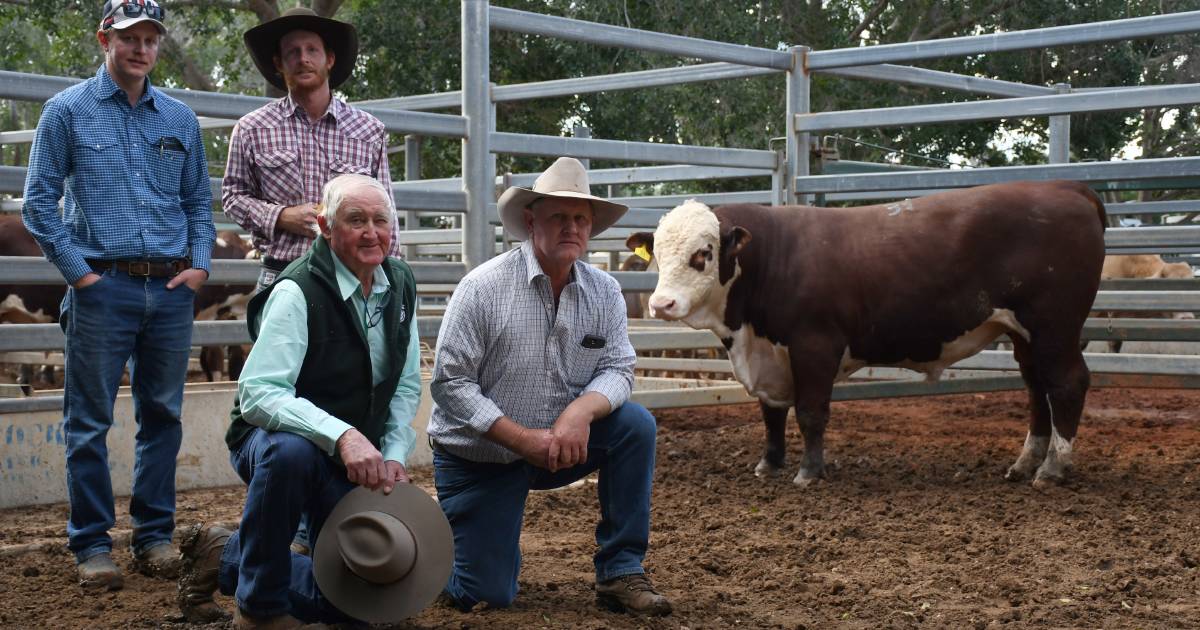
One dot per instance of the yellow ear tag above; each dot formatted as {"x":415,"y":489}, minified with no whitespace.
{"x":642,"y":252}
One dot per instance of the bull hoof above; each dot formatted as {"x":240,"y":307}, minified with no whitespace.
{"x":766,"y":469}
{"x":1016,"y":474}
{"x":1044,"y":482}
{"x":805,"y":478}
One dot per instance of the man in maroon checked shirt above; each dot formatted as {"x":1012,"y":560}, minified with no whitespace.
{"x":281,"y":154}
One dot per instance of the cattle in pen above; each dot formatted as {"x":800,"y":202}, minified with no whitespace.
{"x":804,"y":296}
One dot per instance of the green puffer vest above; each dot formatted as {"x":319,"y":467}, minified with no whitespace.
{"x":336,"y":373}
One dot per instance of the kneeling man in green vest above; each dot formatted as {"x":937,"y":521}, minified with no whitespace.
{"x":325,"y":404}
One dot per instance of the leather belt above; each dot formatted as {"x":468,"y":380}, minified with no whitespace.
{"x":142,"y":268}
{"x":274,"y":264}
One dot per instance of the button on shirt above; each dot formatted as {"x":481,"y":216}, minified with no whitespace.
{"x":279,"y":158}
{"x":267,"y":387}
{"x":504,"y":349}
{"x":133,"y":180}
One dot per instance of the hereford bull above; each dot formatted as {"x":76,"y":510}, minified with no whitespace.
{"x":804,"y":296}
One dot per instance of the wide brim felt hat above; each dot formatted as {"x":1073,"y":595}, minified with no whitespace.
{"x":382,"y":558}
{"x":263,"y":43}
{"x":565,"y":179}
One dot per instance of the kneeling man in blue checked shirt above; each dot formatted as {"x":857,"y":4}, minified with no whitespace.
{"x":531,"y":385}
{"x":325,"y":403}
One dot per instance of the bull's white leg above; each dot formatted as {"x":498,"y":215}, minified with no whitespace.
{"x":1032,"y":455}
{"x":1058,"y":461}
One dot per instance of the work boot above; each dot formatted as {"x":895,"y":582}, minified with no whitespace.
{"x":100,"y":573}
{"x":201,"y":550}
{"x":243,"y":621}
{"x":633,"y":594}
{"x":160,"y":561}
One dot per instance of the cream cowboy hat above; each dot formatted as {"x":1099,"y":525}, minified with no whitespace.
{"x":380,"y":558}
{"x":566,"y":179}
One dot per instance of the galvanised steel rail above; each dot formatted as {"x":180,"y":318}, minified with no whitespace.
{"x":38,"y":270}
{"x":636,"y":39}
{"x":1112,"y":30}
{"x":908,"y":75}
{"x":1158,"y":168}
{"x":527,"y":144}
{"x":12,"y":180}
{"x":1076,"y":103}
{"x":696,"y":73}
{"x":33,"y":87}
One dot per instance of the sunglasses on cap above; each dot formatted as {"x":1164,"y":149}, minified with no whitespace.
{"x":131,"y":10}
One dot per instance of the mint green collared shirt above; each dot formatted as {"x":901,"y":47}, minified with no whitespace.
{"x":267,"y":387}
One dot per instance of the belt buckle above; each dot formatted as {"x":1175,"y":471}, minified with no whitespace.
{"x":139,"y":268}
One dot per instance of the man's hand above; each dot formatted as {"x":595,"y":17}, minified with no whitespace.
{"x":301,"y":219}
{"x":569,"y":438}
{"x":364,"y":462}
{"x":535,"y":447}
{"x":87,"y":280}
{"x":194,"y":278}
{"x":395,"y":474}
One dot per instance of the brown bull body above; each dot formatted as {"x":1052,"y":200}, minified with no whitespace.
{"x":804,"y":296}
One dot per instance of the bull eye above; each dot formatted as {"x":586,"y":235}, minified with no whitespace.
{"x":699,"y":258}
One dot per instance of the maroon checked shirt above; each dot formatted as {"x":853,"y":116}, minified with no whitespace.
{"x":278,"y":158}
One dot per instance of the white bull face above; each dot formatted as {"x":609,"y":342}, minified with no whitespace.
{"x":687,"y":247}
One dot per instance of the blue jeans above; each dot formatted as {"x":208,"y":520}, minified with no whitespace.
{"x":117,"y":320}
{"x":287,"y":475}
{"x":485,"y":504}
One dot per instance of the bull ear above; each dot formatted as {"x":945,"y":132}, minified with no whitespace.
{"x":641,"y":239}
{"x":734,"y":241}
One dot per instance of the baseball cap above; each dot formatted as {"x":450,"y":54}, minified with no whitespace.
{"x":121,"y":14}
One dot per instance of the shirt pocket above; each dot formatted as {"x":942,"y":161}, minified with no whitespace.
{"x":581,"y":361}
{"x":352,"y":156}
{"x":97,"y":162}
{"x":165,"y":156}
{"x":342,"y":167}
{"x":280,"y":177}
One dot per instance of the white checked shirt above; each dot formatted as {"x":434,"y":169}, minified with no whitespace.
{"x":279,"y":158}
{"x":504,"y":350}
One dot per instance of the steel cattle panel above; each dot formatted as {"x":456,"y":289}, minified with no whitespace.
{"x":1134,"y":98}
{"x":525,"y":144}
{"x":623,"y":37}
{"x":1112,"y":30}
{"x":1158,"y":168}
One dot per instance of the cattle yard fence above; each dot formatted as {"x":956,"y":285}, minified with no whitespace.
{"x":799,"y":172}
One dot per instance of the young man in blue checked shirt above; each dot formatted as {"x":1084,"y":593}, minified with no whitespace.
{"x":133,"y":243}
{"x":531,"y":384}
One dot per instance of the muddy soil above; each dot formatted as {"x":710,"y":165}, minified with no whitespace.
{"x":915,"y":528}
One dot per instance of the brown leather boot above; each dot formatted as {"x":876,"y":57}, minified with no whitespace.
{"x":242,"y":621}
{"x":100,"y":573}
{"x":160,"y":561}
{"x":633,"y":594}
{"x":201,"y":550}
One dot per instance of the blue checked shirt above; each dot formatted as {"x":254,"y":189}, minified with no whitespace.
{"x":505,"y":350}
{"x":134,"y":180}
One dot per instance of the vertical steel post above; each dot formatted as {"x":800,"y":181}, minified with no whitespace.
{"x":1059,"y":145}
{"x":779,"y":186}
{"x":798,"y":95}
{"x":612,"y":259}
{"x":579,"y":131}
{"x":479,"y":182}
{"x":412,"y":170}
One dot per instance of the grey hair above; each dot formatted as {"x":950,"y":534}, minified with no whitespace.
{"x":339,"y":187}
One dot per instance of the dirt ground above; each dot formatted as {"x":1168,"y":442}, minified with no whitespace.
{"x":915,"y":528}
